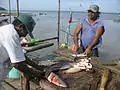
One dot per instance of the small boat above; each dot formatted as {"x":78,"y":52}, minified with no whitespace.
{"x":118,"y":14}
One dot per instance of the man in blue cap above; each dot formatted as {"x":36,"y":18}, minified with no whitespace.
{"x":10,"y":47}
{"x":91,"y":30}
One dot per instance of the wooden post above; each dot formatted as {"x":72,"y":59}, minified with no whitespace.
{"x":17,"y":12}
{"x":10,"y":11}
{"x":58,"y":21}
{"x":26,"y":83}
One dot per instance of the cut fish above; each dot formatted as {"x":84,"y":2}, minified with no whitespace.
{"x":79,"y":55}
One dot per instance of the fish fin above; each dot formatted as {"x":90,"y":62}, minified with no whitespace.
{"x":56,"y":79}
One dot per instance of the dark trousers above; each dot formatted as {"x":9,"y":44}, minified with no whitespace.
{"x":94,"y":52}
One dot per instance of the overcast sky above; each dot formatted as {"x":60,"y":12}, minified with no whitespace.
{"x":75,"y":5}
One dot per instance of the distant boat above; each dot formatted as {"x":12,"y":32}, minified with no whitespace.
{"x":40,"y":13}
{"x":45,"y":13}
{"x":118,"y":14}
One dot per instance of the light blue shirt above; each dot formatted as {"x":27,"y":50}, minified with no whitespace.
{"x":88,"y":33}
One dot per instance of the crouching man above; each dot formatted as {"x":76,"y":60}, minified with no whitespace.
{"x":10,"y":47}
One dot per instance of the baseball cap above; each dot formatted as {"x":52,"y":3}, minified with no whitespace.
{"x":29,"y":23}
{"x":94,"y":8}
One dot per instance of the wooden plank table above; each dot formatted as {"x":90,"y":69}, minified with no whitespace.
{"x":15,"y":84}
{"x":84,"y":80}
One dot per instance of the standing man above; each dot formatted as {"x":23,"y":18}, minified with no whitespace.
{"x":91,"y":30}
{"x":10,"y":47}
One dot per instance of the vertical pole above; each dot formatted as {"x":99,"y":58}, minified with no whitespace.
{"x":68,"y":29}
{"x":17,"y":3}
{"x":10,"y":11}
{"x":58,"y":21}
{"x":68,"y":33}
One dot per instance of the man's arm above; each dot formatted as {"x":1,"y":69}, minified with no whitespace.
{"x":99,"y":33}
{"x":76,"y":33}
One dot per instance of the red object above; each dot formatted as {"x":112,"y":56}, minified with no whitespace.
{"x":70,"y":20}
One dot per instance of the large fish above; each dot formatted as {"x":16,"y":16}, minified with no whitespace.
{"x":47,"y":85}
{"x":72,"y":70}
{"x":66,"y":67}
{"x":104,"y":79}
{"x":83,"y":64}
{"x":78,"y":55}
{"x":56,"y":79}
{"x":71,"y":67}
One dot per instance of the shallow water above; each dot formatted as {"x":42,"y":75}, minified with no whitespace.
{"x":111,"y":45}
{"x":46,"y":27}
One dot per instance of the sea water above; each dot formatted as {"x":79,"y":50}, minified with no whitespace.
{"x":47,"y":27}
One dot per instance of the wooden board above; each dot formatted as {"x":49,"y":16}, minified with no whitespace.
{"x":15,"y":84}
{"x":37,"y":47}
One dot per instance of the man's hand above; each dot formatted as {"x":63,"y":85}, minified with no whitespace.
{"x":24,"y":42}
{"x":75,"y":48}
{"x":87,"y":51}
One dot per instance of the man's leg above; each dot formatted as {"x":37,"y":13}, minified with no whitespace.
{"x":28,"y":70}
{"x":95,"y":52}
